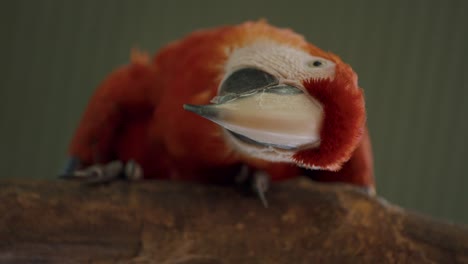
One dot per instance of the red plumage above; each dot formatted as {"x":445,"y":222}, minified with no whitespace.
{"x":136,"y":113}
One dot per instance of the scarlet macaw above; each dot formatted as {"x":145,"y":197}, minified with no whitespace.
{"x":260,"y":99}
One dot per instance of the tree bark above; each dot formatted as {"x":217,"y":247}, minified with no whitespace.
{"x":173,"y":222}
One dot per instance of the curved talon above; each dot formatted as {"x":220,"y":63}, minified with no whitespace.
{"x":133,"y":171}
{"x":71,"y":166}
{"x":256,"y":181}
{"x":261,"y":183}
{"x":104,"y":173}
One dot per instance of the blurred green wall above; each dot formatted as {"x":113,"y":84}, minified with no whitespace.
{"x":411,"y":57}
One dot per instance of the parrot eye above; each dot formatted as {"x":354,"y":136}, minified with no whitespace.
{"x":315,"y":63}
{"x":245,"y":80}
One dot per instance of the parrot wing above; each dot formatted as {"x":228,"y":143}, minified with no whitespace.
{"x":119,"y":112}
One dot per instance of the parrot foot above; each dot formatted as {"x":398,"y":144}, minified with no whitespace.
{"x":256,"y":181}
{"x":103,"y":173}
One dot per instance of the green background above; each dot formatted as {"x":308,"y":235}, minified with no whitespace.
{"x":411,"y":57}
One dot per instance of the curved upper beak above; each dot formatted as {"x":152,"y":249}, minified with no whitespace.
{"x":282,"y":116}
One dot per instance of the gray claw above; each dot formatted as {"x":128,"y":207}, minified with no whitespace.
{"x":133,"y":171}
{"x":98,"y":173}
{"x":104,"y":173}
{"x":72,"y":164}
{"x":257,"y":181}
{"x":261,"y":183}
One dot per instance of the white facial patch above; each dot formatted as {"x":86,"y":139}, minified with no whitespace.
{"x":290,"y":66}
{"x":284,"y":62}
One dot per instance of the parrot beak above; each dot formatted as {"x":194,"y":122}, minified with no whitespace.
{"x":280,"y":116}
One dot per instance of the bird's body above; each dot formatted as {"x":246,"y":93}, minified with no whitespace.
{"x":137,"y":114}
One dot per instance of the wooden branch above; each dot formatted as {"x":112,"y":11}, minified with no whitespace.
{"x":173,"y":222}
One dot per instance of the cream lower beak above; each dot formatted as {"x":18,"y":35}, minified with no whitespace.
{"x":287,"y":121}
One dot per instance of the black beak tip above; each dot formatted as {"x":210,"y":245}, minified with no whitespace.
{"x":193,"y":108}
{"x":207,"y":111}
{"x":188,"y":107}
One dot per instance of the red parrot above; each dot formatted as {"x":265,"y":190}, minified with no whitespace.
{"x":223,"y":102}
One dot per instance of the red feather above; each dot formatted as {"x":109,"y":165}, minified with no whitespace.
{"x":136,"y":113}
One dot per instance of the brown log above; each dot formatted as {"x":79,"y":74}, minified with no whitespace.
{"x":172,"y":222}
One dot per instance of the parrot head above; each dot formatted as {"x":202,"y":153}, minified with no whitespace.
{"x":281,"y":99}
